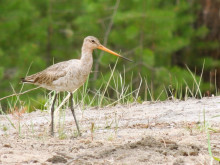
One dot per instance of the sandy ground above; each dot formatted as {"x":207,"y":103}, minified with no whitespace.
{"x":170,"y":132}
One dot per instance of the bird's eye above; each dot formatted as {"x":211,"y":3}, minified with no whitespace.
{"x":93,"y":41}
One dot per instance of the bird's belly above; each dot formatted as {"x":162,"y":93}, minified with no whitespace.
{"x":70,"y":82}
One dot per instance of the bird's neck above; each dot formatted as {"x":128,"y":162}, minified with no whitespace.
{"x":86,"y":56}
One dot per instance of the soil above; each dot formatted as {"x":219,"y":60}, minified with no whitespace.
{"x":169,"y":132}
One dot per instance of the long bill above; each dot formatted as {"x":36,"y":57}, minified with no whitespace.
{"x":101,"y":47}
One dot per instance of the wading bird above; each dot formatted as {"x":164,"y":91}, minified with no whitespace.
{"x":68,"y":75}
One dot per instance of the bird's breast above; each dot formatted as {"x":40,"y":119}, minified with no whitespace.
{"x":78,"y":76}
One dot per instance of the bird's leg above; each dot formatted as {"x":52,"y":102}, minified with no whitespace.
{"x":52,"y":115}
{"x":73,"y":112}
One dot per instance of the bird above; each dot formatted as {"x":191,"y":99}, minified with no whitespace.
{"x":68,"y":75}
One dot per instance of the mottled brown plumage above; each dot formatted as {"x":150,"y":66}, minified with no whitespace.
{"x":68,"y":75}
{"x":48,"y":75}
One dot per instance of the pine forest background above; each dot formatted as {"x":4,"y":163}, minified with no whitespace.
{"x":163,"y":38}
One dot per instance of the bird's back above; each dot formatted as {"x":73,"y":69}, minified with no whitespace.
{"x":63,"y":76}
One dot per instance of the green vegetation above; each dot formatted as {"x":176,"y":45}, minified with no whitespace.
{"x":173,"y":53}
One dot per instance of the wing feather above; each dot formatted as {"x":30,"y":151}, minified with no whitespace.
{"x":48,"y":75}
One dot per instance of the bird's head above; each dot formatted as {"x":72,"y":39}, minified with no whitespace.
{"x":91,"y":42}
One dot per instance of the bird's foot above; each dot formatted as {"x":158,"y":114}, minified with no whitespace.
{"x":51,"y":133}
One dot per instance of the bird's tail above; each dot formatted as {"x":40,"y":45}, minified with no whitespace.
{"x":23,"y":80}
